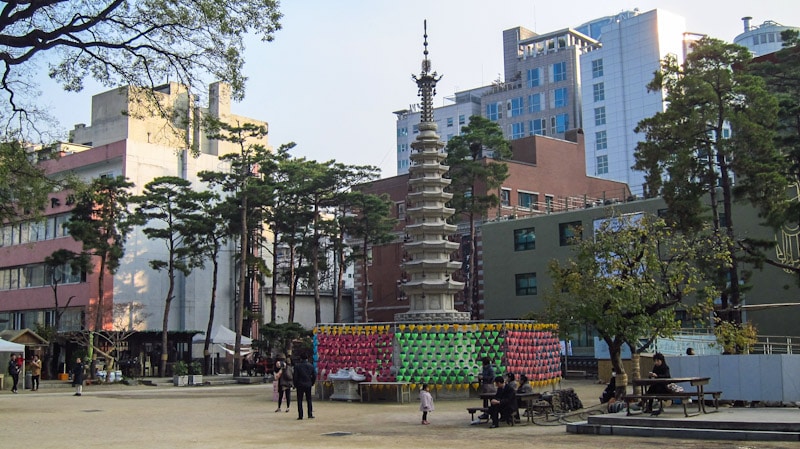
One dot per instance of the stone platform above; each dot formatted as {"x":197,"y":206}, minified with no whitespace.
{"x":729,"y":423}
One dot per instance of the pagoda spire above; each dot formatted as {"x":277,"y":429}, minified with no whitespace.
{"x":426,"y":82}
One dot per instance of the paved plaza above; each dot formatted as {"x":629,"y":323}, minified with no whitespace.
{"x":242,"y":416}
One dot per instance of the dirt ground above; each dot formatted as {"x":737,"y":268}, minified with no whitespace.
{"x":242,"y":416}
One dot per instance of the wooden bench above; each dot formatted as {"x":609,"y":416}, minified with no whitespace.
{"x":672,"y":396}
{"x":485,"y":410}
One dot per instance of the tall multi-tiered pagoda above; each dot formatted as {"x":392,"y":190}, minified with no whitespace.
{"x":430,"y":286}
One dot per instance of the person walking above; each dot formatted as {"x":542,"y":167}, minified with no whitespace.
{"x":36,"y":372}
{"x":284,"y":373}
{"x":77,"y":377}
{"x":425,"y":403}
{"x":13,"y":371}
{"x":304,"y":378}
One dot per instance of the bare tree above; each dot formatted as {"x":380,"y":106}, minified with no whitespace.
{"x":119,"y":42}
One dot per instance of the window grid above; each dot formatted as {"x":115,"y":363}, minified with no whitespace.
{"x":517,"y":107}
{"x":538,"y":127}
{"x":559,"y":71}
{"x":569,"y":233}
{"x":517,"y":130}
{"x":560,"y":97}
{"x":600,"y":116}
{"x":599,"y":91}
{"x":601,"y":140}
{"x":597,"y":68}
{"x":524,"y":239}
{"x":602,"y":164}
{"x":535,"y":103}
{"x":525,"y":284}
{"x":505,"y":197}
{"x":534,"y":78}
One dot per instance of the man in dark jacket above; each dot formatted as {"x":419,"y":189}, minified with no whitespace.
{"x":13,"y":371}
{"x":77,"y":376}
{"x":304,"y":378}
{"x":503,"y":403}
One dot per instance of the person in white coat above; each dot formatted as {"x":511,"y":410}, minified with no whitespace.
{"x":425,"y":403}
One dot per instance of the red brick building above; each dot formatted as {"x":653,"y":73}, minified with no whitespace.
{"x":545,"y":175}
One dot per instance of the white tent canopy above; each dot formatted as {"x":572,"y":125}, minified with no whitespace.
{"x":7,"y":346}
{"x":225,"y":339}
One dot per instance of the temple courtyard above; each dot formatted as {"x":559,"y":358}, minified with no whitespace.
{"x":242,"y":416}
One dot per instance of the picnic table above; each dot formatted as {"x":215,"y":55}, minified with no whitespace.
{"x":698,"y":382}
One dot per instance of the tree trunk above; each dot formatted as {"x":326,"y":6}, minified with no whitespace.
{"x":273,"y":300}
{"x":239,"y":305}
{"x":315,"y":265}
{"x":211,"y":308}
{"x":366,"y":282}
{"x":165,"y":322}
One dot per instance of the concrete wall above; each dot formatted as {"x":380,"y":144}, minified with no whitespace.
{"x":745,"y":377}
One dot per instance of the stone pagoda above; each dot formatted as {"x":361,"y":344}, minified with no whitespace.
{"x":428,"y":266}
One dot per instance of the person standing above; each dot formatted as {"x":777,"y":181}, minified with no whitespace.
{"x":304,"y":378}
{"x":36,"y":372}
{"x":284,"y":372}
{"x":77,"y":377}
{"x":425,"y":403}
{"x":13,"y":371}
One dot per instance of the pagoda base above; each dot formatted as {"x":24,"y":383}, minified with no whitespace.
{"x":429,"y":316}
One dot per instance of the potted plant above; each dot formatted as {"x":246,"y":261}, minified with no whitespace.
{"x":180,"y":371}
{"x":195,"y":373}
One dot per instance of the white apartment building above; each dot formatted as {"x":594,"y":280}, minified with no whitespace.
{"x":614,"y":89}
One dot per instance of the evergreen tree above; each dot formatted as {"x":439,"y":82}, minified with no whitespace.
{"x":165,"y":208}
{"x":476,"y":173}
{"x":717,"y":129}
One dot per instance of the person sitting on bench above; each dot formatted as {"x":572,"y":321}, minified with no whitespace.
{"x":503,"y":403}
{"x":660,"y":370}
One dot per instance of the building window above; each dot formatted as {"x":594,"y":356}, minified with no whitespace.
{"x":517,"y":130}
{"x":526,"y":284}
{"x":538,"y":127}
{"x":559,"y":71}
{"x":548,"y":203}
{"x":599,"y":91}
{"x":526,"y":200}
{"x":505,"y":197}
{"x":602,"y":164}
{"x":516,"y":107}
{"x":534,"y":77}
{"x":600,"y":116}
{"x":449,"y":122}
{"x":493,"y":111}
{"x":400,"y":208}
{"x":562,"y":123}
{"x":415,"y":129}
{"x":569,"y":233}
{"x":524,"y":239}
{"x":535,"y":103}
{"x":560,"y":98}
{"x":600,"y":140}
{"x":597,"y":68}
{"x":462,"y":119}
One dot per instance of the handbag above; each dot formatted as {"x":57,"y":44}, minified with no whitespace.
{"x":675,"y":388}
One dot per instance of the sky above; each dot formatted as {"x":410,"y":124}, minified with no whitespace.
{"x":335,"y":73}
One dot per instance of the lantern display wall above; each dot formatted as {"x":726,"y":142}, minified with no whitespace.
{"x":446,"y":354}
